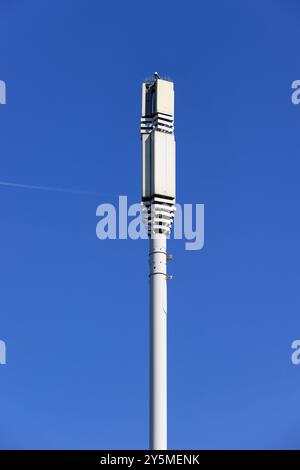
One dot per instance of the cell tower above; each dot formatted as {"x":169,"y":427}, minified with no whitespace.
{"x":158,"y":199}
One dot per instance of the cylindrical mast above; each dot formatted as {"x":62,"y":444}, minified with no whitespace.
{"x":158,"y":342}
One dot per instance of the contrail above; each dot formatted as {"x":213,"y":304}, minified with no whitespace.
{"x":46,"y":188}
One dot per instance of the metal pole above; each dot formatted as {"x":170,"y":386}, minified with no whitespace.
{"x":158,"y":202}
{"x":158,"y":342}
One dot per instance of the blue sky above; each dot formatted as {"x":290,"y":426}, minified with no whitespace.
{"x":74,"y":309}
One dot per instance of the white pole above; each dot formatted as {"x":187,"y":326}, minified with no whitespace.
{"x":158,"y":342}
{"x":158,"y":202}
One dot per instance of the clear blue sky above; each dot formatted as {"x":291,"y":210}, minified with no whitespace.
{"x":74,"y":309}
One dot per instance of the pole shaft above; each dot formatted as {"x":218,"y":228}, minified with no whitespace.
{"x":158,"y":342}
